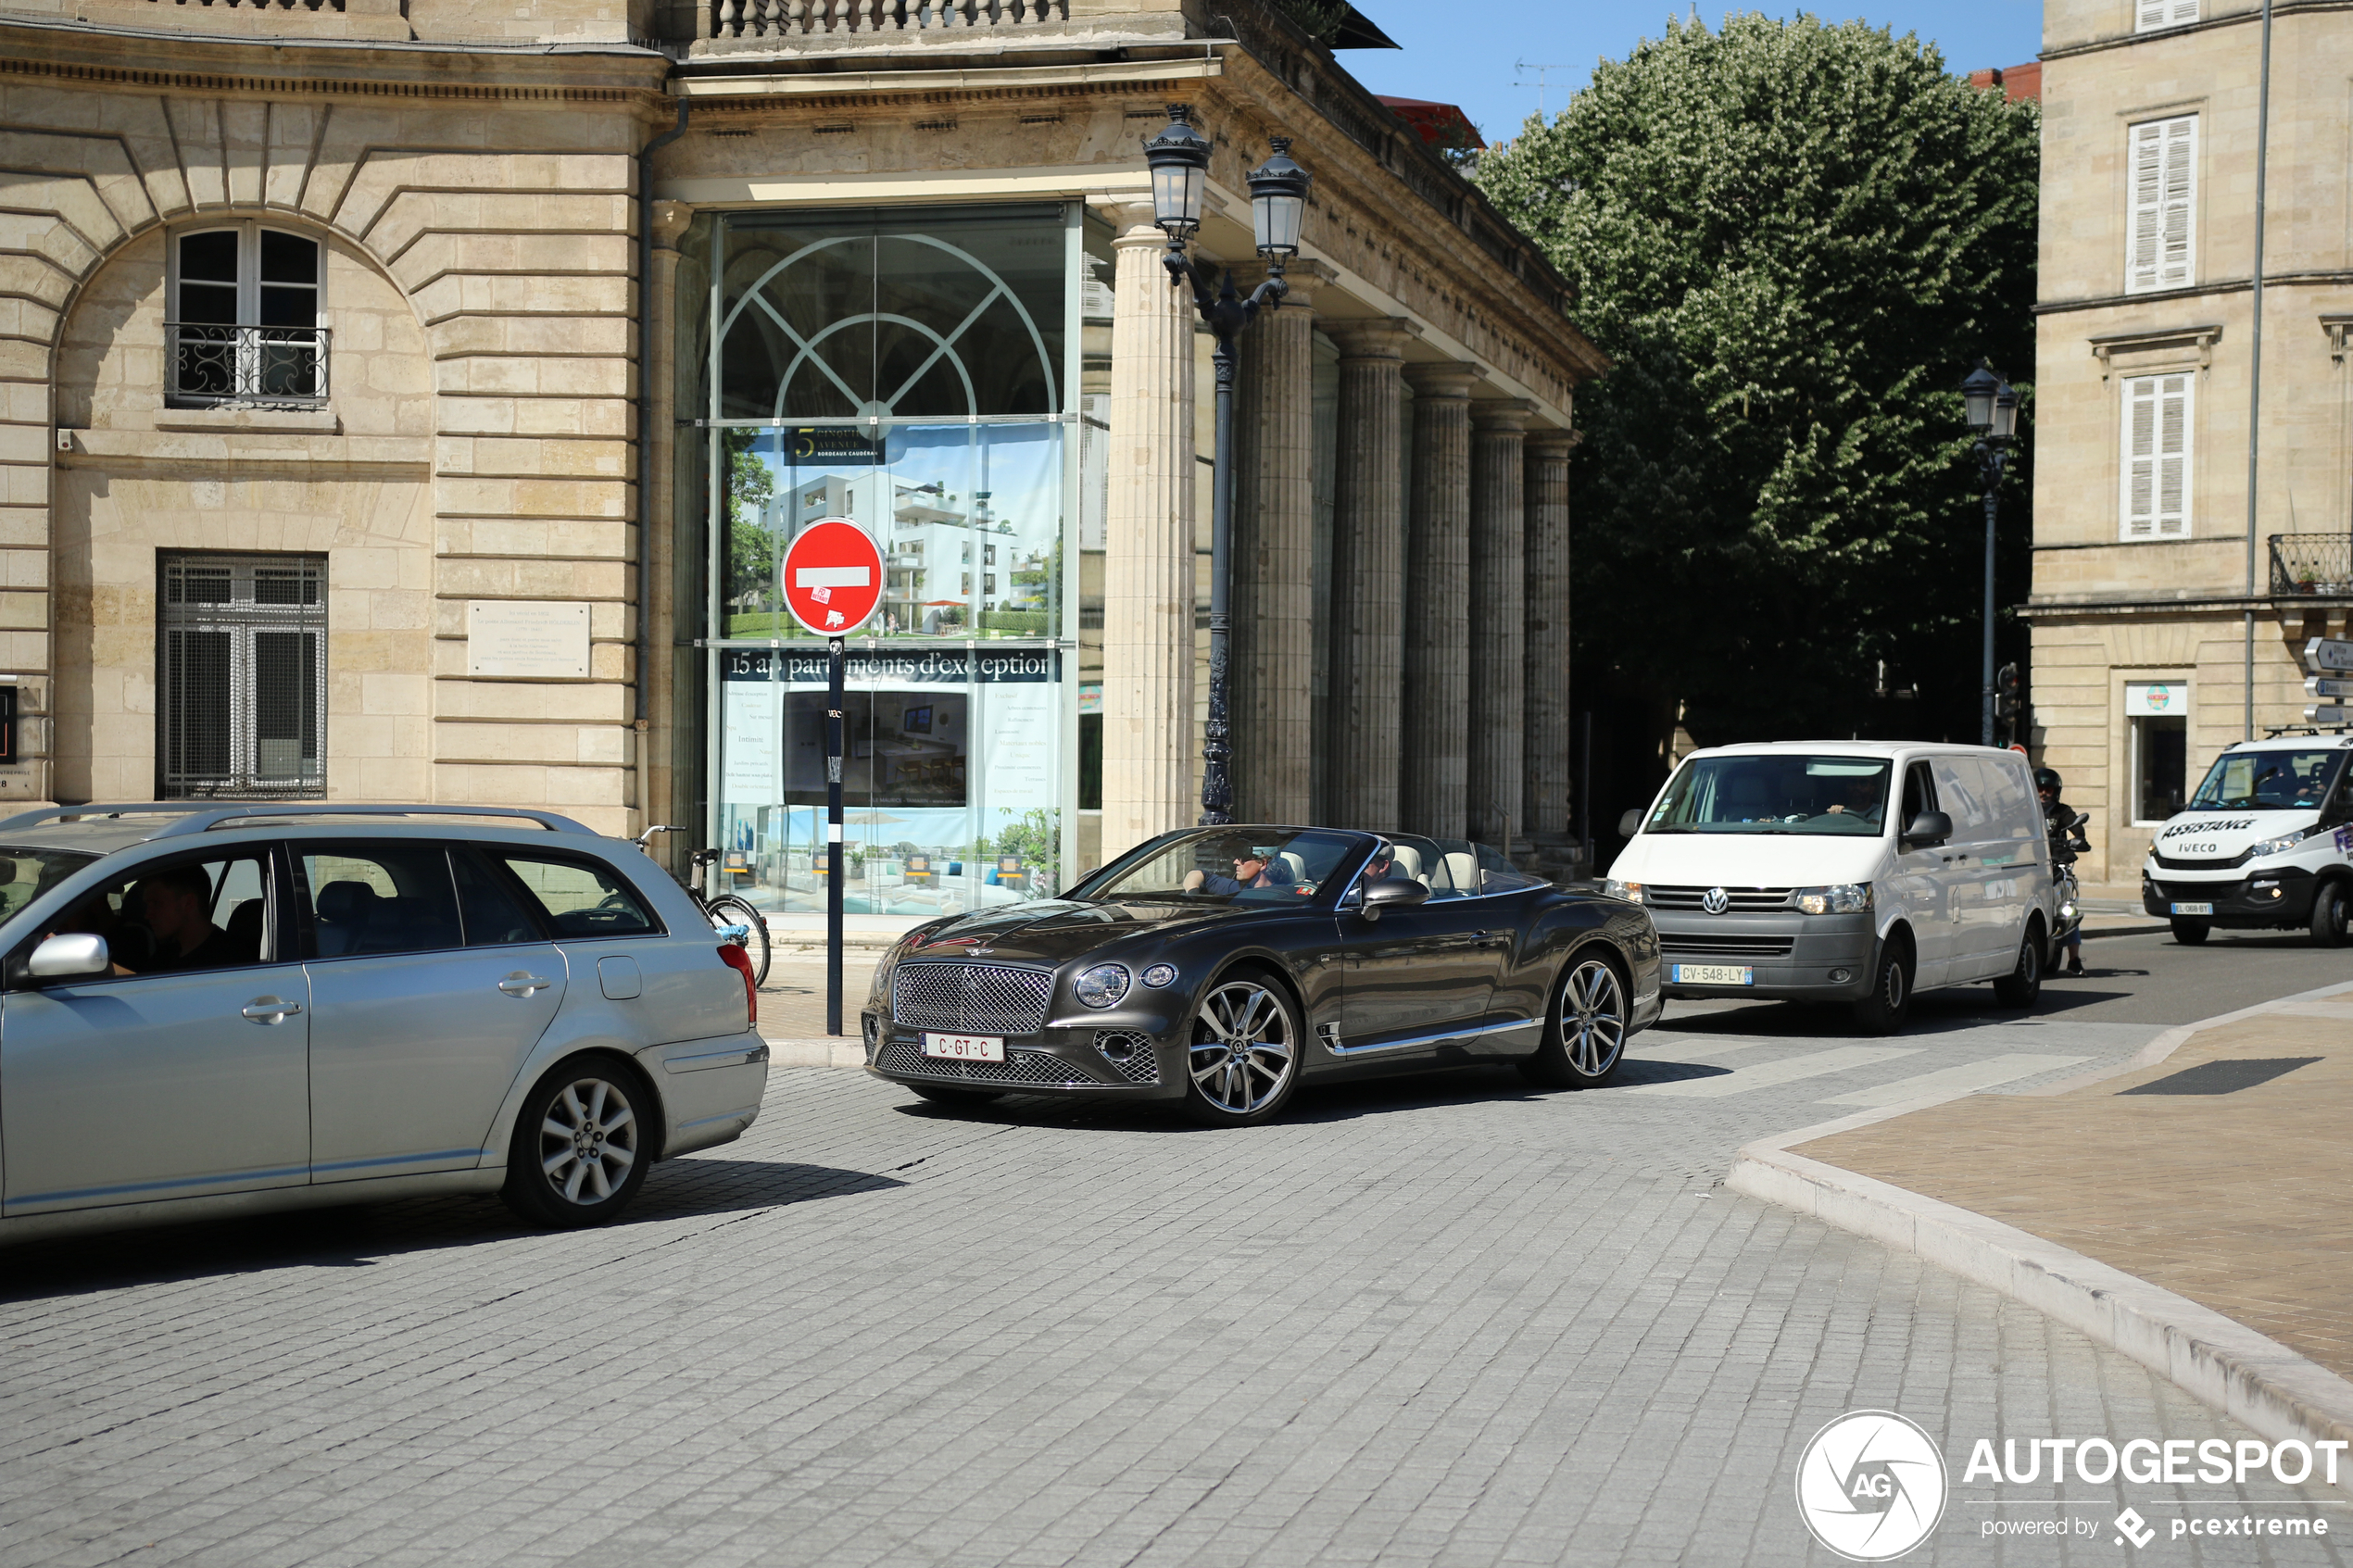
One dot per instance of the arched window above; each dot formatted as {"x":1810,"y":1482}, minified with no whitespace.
{"x":245,"y":320}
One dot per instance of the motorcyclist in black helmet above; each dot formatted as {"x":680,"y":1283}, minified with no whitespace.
{"x":2057,"y":814}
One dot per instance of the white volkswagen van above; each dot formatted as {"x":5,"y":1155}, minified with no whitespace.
{"x":2262,"y":845}
{"x":1844,"y":871}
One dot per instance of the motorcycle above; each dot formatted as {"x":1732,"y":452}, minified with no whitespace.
{"x":2067,"y":842}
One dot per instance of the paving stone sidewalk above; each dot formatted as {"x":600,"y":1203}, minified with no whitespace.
{"x":2220,"y":1174}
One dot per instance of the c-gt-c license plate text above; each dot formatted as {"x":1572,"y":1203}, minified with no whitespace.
{"x":965,"y":1048}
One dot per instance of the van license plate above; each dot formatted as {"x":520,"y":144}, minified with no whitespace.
{"x":965,"y":1048}
{"x":2193,"y":908}
{"x":1714,"y":974}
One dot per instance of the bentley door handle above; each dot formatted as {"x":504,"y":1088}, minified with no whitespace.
{"x":269,"y":1009}
{"x":521,"y":985}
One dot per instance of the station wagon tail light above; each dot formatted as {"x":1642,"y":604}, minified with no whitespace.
{"x":1841,"y":898}
{"x":740,"y":962}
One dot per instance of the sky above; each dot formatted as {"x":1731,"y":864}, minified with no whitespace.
{"x":1486,"y":57}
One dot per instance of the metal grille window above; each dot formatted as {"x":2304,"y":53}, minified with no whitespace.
{"x":240,"y":667}
{"x":245,"y":326}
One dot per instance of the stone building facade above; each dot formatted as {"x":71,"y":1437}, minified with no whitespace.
{"x":413,"y":401}
{"x":2148,"y":558}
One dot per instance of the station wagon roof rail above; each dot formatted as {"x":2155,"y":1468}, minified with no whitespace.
{"x":192,"y":817}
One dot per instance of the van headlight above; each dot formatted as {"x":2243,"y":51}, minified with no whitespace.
{"x":2283,"y":844}
{"x":1101,"y":985}
{"x":1629,"y":891}
{"x":1838,"y":898}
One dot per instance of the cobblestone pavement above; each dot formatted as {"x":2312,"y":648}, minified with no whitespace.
{"x":1447,"y":1320}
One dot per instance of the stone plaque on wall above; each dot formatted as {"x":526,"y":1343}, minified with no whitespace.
{"x":526,"y":640}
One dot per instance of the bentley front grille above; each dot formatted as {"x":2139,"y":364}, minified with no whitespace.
{"x":970,"y":998}
{"x":1019,"y":1067}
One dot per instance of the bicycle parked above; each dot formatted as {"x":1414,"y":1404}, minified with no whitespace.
{"x":731,"y":916}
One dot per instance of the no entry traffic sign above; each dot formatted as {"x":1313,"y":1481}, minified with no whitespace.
{"x":833,"y":577}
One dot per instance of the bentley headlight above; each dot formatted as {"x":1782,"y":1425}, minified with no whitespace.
{"x":1101,"y":985}
{"x":1629,"y":891}
{"x":2283,"y":844}
{"x":1838,"y":898}
{"x":1160,"y":975}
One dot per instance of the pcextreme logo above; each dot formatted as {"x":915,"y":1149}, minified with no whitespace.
{"x":1871,"y":1486}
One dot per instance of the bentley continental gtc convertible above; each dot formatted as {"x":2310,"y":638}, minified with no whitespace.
{"x":1221,"y":966}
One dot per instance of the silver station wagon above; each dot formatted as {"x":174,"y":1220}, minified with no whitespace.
{"x":212,"y":1009}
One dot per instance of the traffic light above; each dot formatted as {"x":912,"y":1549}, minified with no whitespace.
{"x":2005,"y":695}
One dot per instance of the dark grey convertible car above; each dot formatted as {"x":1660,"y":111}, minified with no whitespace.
{"x":1220,"y":966}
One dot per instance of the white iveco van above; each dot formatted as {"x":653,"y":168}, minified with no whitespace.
{"x":2263,"y":843}
{"x":1844,"y":871}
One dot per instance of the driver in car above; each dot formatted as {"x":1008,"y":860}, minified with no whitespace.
{"x":1252,"y":868}
{"x":174,"y":904}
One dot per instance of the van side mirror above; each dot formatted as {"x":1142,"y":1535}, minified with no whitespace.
{"x":75,"y":956}
{"x":1927,"y":830}
{"x":1630,"y":823}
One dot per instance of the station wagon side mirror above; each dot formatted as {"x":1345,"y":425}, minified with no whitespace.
{"x":1927,"y":830}
{"x":75,"y":956}
{"x":1395,"y":892}
{"x":1630,"y":823}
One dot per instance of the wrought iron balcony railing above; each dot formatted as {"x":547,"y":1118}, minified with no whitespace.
{"x":214,"y":362}
{"x":2312,"y":563}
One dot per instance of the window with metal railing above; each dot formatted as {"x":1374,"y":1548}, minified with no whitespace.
{"x":2312,"y":563}
{"x":245,"y":325}
{"x":241,"y":675}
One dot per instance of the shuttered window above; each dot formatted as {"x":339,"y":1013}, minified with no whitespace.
{"x":2160,"y":253}
{"x":2150,"y":15}
{"x":2157,"y":456}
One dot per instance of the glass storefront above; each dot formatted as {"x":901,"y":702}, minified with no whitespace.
{"x":915,"y":372}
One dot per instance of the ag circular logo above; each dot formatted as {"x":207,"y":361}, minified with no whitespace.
{"x":1871,"y":1486}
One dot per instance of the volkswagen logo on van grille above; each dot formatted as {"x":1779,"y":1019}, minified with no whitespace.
{"x":1714,"y":900}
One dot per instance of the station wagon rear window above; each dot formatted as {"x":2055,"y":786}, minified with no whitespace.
{"x":1776,"y":793}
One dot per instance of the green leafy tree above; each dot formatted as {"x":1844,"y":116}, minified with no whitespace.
{"x":1792,"y":240}
{"x":1034,"y":838}
{"x":751,"y":545}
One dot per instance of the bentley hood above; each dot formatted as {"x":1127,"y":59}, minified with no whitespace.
{"x":1054,"y":931}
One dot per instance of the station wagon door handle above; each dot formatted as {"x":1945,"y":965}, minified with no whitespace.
{"x":269,"y":1009}
{"x":521,"y":985}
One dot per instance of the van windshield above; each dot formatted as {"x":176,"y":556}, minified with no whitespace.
{"x":2268,"y":780}
{"x":1776,"y":793}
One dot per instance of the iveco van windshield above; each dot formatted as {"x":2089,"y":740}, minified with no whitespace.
{"x":1779,"y":792}
{"x":2268,"y":780}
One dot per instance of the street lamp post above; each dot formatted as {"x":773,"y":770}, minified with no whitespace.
{"x":1993,"y":414}
{"x":1179,"y":160}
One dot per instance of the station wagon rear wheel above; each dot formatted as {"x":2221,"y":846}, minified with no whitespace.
{"x":1585,"y":1035}
{"x":1243,"y":1058}
{"x":581,"y":1147}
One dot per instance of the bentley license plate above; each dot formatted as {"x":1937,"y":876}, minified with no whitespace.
{"x":1714,"y":974}
{"x":965,"y":1048}
{"x":2193,"y":908}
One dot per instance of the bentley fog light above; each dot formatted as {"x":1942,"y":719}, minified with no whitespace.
{"x":1840,"y":898}
{"x":1629,"y":891}
{"x":1160,"y":975}
{"x":1101,"y":985}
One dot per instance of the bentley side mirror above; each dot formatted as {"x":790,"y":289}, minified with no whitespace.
{"x":75,"y":956}
{"x":1392,"y":892}
{"x":1630,"y":823}
{"x":1927,"y":830}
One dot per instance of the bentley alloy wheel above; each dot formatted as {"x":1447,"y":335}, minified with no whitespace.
{"x":1244,"y":1055}
{"x":1588,"y":1033}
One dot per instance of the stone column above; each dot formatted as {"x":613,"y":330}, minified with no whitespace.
{"x":1271,"y":594}
{"x":1545,"y":768}
{"x":657,"y":745}
{"x":1367,"y":586}
{"x":1498,"y":621}
{"x":1438,"y":604}
{"x":1147,"y":561}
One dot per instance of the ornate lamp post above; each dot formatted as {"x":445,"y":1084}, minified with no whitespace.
{"x":1179,"y":160}
{"x":1993,"y":414}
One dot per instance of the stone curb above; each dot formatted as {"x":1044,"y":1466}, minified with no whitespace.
{"x":2245,"y":1374}
{"x":823,"y":1050}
